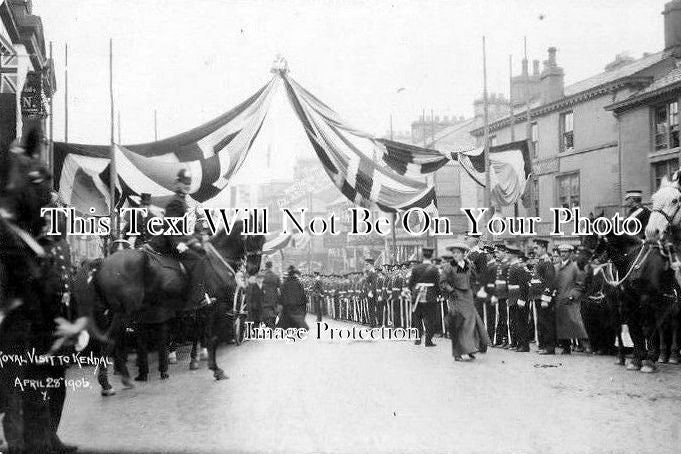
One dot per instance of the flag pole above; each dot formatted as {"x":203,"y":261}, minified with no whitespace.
{"x":112,"y":164}
{"x":487,"y":197}
{"x":432,"y":144}
{"x":510,"y":102}
{"x":394,"y":213}
{"x":528,"y":135}
{"x":66,"y":92}
{"x":51,"y":149}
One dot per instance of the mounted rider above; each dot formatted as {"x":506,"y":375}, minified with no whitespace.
{"x":635,"y":209}
{"x":182,"y":247}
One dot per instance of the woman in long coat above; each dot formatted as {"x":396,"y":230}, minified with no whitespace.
{"x":569,"y":285}
{"x":293,"y":301}
{"x":466,"y":329}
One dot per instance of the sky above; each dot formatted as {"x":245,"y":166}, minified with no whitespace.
{"x":194,"y":60}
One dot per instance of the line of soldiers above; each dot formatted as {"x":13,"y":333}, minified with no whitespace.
{"x":521,"y":297}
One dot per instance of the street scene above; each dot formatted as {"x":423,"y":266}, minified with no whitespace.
{"x":373,"y":396}
{"x":315,"y":226}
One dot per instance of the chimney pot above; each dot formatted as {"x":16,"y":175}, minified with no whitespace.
{"x":552,"y":56}
{"x":672,"y":27}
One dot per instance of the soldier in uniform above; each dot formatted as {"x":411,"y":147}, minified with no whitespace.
{"x":546,"y":319}
{"x":635,"y":209}
{"x":424,"y":285}
{"x":518,"y":282}
{"x":317,"y":290}
{"x":499,"y":298}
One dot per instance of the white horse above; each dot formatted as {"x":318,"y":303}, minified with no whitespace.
{"x":666,"y":212}
{"x":666,"y":207}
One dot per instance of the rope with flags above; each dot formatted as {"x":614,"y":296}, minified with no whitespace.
{"x":368,"y":171}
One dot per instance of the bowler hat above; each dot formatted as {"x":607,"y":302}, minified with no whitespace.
{"x":145,"y":198}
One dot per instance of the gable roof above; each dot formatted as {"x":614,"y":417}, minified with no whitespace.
{"x":623,"y":71}
{"x":661,"y":86}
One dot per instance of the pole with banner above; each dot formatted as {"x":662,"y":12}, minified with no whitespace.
{"x":487,"y":195}
{"x":394,"y":213}
{"x":66,"y":92}
{"x":51,"y":146}
{"x":113,"y":175}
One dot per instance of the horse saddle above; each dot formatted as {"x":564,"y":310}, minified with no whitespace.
{"x":163,"y":261}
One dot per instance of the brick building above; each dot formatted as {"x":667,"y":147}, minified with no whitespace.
{"x":648,"y":120}
{"x":582,"y":156}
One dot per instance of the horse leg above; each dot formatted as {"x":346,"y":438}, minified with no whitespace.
{"x":102,"y":373}
{"x":194,"y":333}
{"x":674,"y":357}
{"x":648,"y":364}
{"x":212,"y":344}
{"x":661,"y":332}
{"x":637,"y":337}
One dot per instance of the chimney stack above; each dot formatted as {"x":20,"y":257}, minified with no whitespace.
{"x":552,"y":79}
{"x":672,"y":27}
{"x":525,"y":66}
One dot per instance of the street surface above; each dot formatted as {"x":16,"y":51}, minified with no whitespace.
{"x":382,"y":396}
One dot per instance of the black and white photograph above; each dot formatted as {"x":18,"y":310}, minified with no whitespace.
{"x":321,"y":226}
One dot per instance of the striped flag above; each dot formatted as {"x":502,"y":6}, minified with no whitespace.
{"x":212,"y":153}
{"x":346,"y":154}
{"x":511,"y":167}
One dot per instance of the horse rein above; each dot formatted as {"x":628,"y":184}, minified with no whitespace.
{"x":636,"y":264}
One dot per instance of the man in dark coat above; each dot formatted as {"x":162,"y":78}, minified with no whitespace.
{"x":546,"y":319}
{"x":633,"y":201}
{"x":569,"y":285}
{"x":293,"y":301}
{"x":153,"y":321}
{"x":270,"y":284}
{"x":318,"y":295}
{"x":519,"y":309}
{"x":255,"y":296}
{"x":424,"y":284}
{"x":42,"y":413}
{"x":370,"y":289}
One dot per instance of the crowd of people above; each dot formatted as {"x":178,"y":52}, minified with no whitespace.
{"x":478,"y":295}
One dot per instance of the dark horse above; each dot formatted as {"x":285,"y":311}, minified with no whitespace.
{"x":133,"y":280}
{"x":641,"y":272}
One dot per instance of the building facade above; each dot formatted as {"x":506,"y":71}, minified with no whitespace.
{"x":575,"y":143}
{"x":27,"y":80}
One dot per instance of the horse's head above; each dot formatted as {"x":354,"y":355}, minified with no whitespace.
{"x":25,"y":184}
{"x":612,"y":246}
{"x":666,"y":207}
{"x":240,"y":249}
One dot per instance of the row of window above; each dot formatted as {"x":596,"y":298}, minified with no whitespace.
{"x":666,"y":130}
{"x":569,"y":190}
{"x":567,"y":134}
